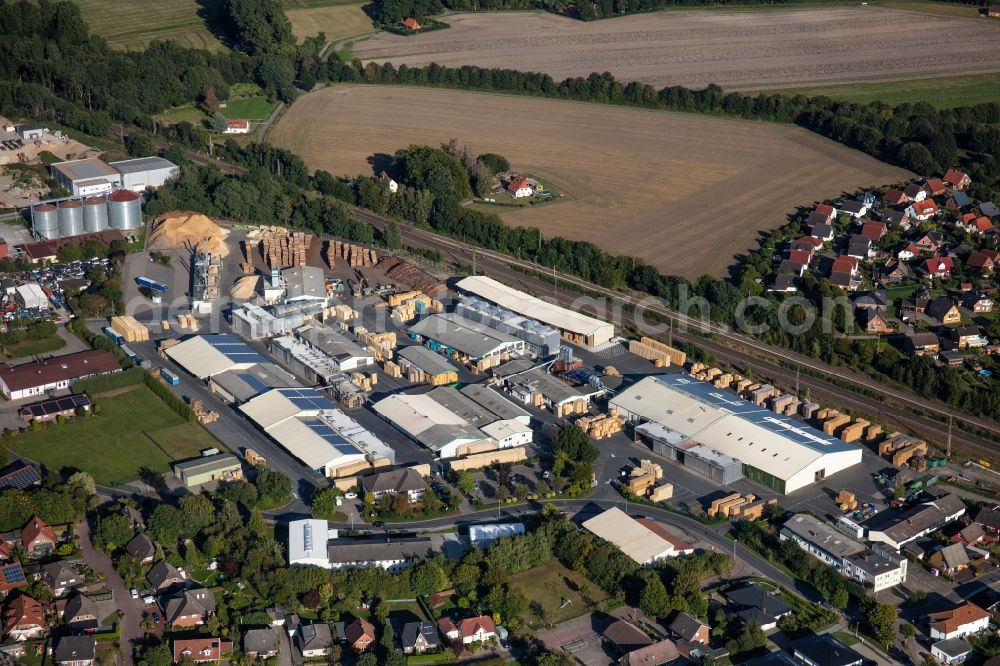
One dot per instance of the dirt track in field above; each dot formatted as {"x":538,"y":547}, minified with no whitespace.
{"x":685,"y":192}
{"x":746,"y":50}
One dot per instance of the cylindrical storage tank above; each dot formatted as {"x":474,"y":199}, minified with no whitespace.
{"x":95,"y":214}
{"x":70,"y":218}
{"x":45,"y":221}
{"x":124,"y":210}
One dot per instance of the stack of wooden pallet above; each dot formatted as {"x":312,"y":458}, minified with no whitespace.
{"x":353,"y":255}
{"x":129,"y":328}
{"x":282,"y":249}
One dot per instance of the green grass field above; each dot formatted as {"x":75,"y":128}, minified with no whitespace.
{"x":942,"y":93}
{"x":131,"y":25}
{"x":115,"y":444}
{"x":254,"y":107}
{"x":32,"y":347}
{"x":546,"y":589}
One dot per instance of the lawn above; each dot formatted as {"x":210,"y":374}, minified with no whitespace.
{"x":253,"y":107}
{"x":34,"y":347}
{"x":549,"y":587}
{"x":127,"y":24}
{"x":942,"y":93}
{"x":115,"y":444}
{"x":337,"y":21}
{"x":846,"y":638}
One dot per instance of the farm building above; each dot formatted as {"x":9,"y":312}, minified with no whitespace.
{"x":237,"y":126}
{"x":643,"y":541}
{"x":138,"y":174}
{"x":306,"y":424}
{"x":453,"y":334}
{"x":217,"y":467}
{"x":573,"y":326}
{"x":776,"y":451}
{"x":31,"y":297}
{"x":540,"y":340}
{"x":40,"y":377}
{"x":207,"y":355}
{"x":85,"y":177}
{"x":238,"y":386}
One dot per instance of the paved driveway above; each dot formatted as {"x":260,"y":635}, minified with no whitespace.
{"x":131,"y":608}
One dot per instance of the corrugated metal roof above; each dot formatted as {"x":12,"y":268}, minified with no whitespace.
{"x":634,"y":539}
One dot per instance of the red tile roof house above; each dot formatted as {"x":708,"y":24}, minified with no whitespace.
{"x":828,"y":211}
{"x":11,"y":577}
{"x":845,"y":264}
{"x":984,"y":260}
{"x":939,"y":267}
{"x":238,"y":126}
{"x":935,"y":186}
{"x":411,"y":24}
{"x":874,"y":231}
{"x":23,"y":618}
{"x":800,"y":257}
{"x":477,"y":629}
{"x":40,"y":377}
{"x":957,"y":179}
{"x":201,"y":650}
{"x":896,"y":197}
{"x":909,"y":252}
{"x":922,"y":210}
{"x":37,"y":537}
{"x":360,"y":634}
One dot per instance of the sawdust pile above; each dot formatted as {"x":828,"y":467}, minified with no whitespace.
{"x":244,"y":288}
{"x":186,"y":230}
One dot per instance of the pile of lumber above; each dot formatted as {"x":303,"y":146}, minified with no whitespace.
{"x":355,"y":256}
{"x":129,"y":328}
{"x":746,"y":507}
{"x":653,"y":350}
{"x":363,"y":381}
{"x":603,"y":425}
{"x":187,"y":321}
{"x":392,"y":370}
{"x":284,"y":249}
{"x":846,"y":501}
{"x":405,"y":273}
{"x":901,"y":449}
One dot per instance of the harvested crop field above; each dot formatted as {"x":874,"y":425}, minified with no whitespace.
{"x":336,"y":21}
{"x":685,"y":192}
{"x":738,"y":50}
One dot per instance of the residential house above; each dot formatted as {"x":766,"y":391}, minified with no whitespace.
{"x":74,"y":651}
{"x":477,"y":629}
{"x":689,"y":628}
{"x":915,"y":192}
{"x":393,"y":185}
{"x":400,"y":481}
{"x":808,"y":243}
{"x":971,"y":534}
{"x":894,"y":272}
{"x":817,"y":218}
{"x":19,"y":475}
{"x":968,"y":337}
{"x":790,"y":267}
{"x":6,"y":550}
{"x":856,"y":209}
{"x":37,"y":537}
{"x":958,"y":622}
{"x":80,"y":612}
{"x":823,"y":232}
{"x":825,"y":650}
{"x":873,"y":231}
{"x":201,"y":650}
{"x":189,"y":608}
{"x":930,"y":242}
{"x":873,"y":300}
{"x":661,"y":652}
{"x":163,"y":576}
{"x":989,"y":209}
{"x":860,"y":247}
{"x":11,"y":577}
{"x":754,"y":603}
{"x":950,"y":357}
{"x":142,"y":548}
{"x":360,"y":634}
{"x":23,"y":618}
{"x":957,"y":179}
{"x":984,"y":260}
{"x":237,"y":126}
{"x":800,"y":256}
{"x":922,"y":210}
{"x":260,"y":643}
{"x":520,"y":186}
{"x":448,"y":629}
{"x":988,"y":518}
{"x":784,"y":282}
{"x":951,"y":651}
{"x":939,"y":267}
{"x":419,"y":637}
{"x":843,"y":272}
{"x":314,"y":640}
{"x":61,"y":577}
{"x":951,"y":559}
{"x":827,"y":211}
{"x":914,"y":306}
{"x":875,"y":322}
{"x":977,"y":302}
{"x":935,"y":187}
{"x":922,"y":344}
{"x":945,"y":311}
{"x":897,"y":219}
{"x":908,"y":252}
{"x":896,"y":197}
{"x":626,"y":637}
{"x":411,"y":24}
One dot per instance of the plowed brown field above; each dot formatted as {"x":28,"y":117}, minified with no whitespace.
{"x":746,"y":50}
{"x":685,"y":192}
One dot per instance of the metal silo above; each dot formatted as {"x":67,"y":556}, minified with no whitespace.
{"x":95,"y":214}
{"x":124,"y":210}
{"x":70,"y":218}
{"x":45,"y":221}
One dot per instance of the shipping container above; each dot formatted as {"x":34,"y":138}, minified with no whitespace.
{"x":170,"y":377}
{"x":132,"y":356}
{"x":110,"y":332}
{"x":153,"y":285}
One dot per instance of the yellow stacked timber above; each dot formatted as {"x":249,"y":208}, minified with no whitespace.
{"x":727,"y":508}
{"x":165,"y":325}
{"x":392,"y":370}
{"x":640,"y":485}
{"x":386,"y":339}
{"x":742,"y":385}
{"x":824,"y":413}
{"x":511,"y":455}
{"x":361,"y":381}
{"x":846,"y":500}
{"x":254,"y":458}
{"x":723,"y":381}
{"x":167,"y":344}
{"x":648,"y":466}
{"x":853,"y":432}
{"x":659,"y":358}
{"x":129,"y":328}
{"x":353,"y":255}
{"x":570,"y":408}
{"x":900,"y":457}
{"x":712,"y":373}
{"x":282,"y":249}
{"x":344,"y":312}
{"x":831,"y":425}
{"x":872,"y":432}
{"x":345,"y":483}
{"x":611,"y":371}
{"x":697,"y":367}
{"x":750,"y":388}
{"x":602,"y":425}
{"x":396,"y":300}
{"x":440,"y":379}
{"x":350,"y":469}
{"x":714,"y":506}
{"x":476,"y":447}
{"x":662,"y":493}
{"x":676,"y":356}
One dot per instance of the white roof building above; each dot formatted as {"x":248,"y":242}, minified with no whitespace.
{"x":578,"y":327}
{"x":207,"y":355}
{"x":307,"y":542}
{"x":31,"y":297}
{"x":633,"y":538}
{"x":508,"y":433}
{"x":143,"y":172}
{"x":777,"y":451}
{"x":429,"y":422}
{"x":310,"y":427}
{"x":481,"y":536}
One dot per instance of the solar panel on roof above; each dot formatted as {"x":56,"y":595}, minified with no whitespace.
{"x":255,"y":383}
{"x":332,"y":437}
{"x":13,"y":573}
{"x":24,"y":477}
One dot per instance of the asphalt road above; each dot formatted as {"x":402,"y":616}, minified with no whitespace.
{"x":738,"y":349}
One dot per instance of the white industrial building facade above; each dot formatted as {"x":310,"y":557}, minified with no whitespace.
{"x":90,"y":176}
{"x":776,"y":451}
